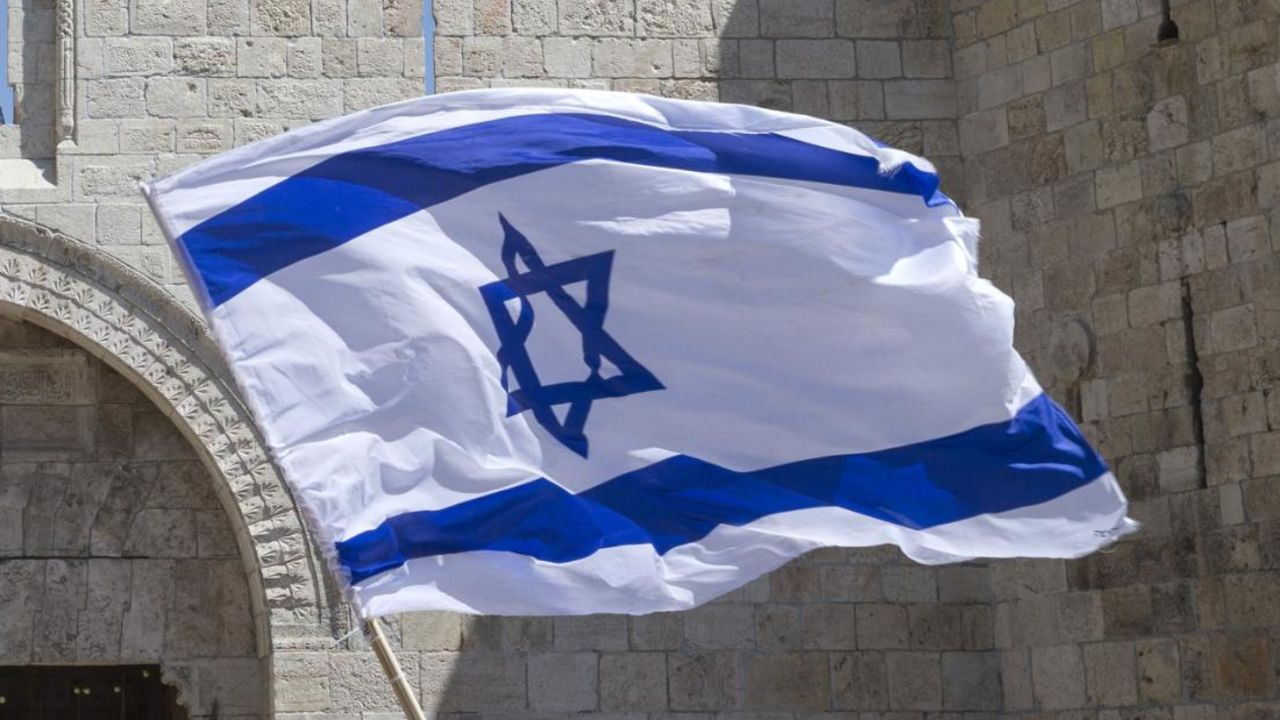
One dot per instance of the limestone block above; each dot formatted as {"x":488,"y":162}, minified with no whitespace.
{"x":797,"y":18}
{"x":176,"y":97}
{"x":206,"y":57}
{"x":300,"y":694}
{"x":262,"y":57}
{"x":1083,"y":147}
{"x":881,"y":626}
{"x":232,"y":685}
{"x":964,"y":583}
{"x":452,"y":17}
{"x":534,"y":17}
{"x":1065,"y":106}
{"x":889,"y":19}
{"x":364,"y":18}
{"x":563,"y":682}
{"x":705,"y":681}
{"x":828,"y":626}
{"x":247,"y":130}
{"x":755,"y":58}
{"x":99,"y":624}
{"x":415,"y":59}
{"x":564,"y":57}
{"x":1118,"y":184}
{"x":338,"y":57}
{"x":971,"y":681}
{"x":356,"y":681}
{"x":231,"y":98}
{"x":787,"y":681}
{"x":926,"y":59}
{"x":859,"y":681}
{"x":1080,"y":616}
{"x":736,"y":18}
{"x":21,"y":588}
{"x":137,"y":56}
{"x":1238,"y":149}
{"x":878,"y":59}
{"x":477,"y":682}
{"x":659,"y":631}
{"x":618,"y":58}
{"x":591,"y":632}
{"x":205,"y":137}
{"x":46,"y":432}
{"x":168,"y":17}
{"x":856,"y":100}
{"x":1015,"y":679}
{"x":522,"y":57}
{"x":431,"y":631}
{"x":1233,"y":329}
{"x":594,"y":18}
{"x":674,"y":18}
{"x":633,"y":681}
{"x":810,"y":97}
{"x":379,"y":57}
{"x":1159,"y":677}
{"x":915,"y":680}
{"x":116,"y":98}
{"x":482,"y":56}
{"x":55,"y":623}
{"x":1057,"y":673}
{"x":999,"y":87}
{"x":720,"y":626}
{"x":815,"y":59}
{"x":492,"y":17}
{"x":48,"y":377}
{"x":402,"y":18}
{"x":106,"y":17}
{"x":1110,"y":673}
{"x":303,"y":99}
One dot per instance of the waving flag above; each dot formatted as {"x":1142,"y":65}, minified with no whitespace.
{"x":560,"y":352}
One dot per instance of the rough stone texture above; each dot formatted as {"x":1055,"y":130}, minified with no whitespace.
{"x":114,"y":547}
{"x":1128,"y":194}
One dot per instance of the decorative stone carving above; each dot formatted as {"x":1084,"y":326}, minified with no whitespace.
{"x":139,"y":330}
{"x":66,"y":43}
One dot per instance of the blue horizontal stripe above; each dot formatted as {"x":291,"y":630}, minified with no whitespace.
{"x":1035,"y":457}
{"x":350,"y":194}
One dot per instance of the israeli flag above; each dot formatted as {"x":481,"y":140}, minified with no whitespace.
{"x":564,"y":352}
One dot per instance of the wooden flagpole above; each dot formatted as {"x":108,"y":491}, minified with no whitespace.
{"x":404,"y":693}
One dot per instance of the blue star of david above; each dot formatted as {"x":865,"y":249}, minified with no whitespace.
{"x":588,"y":318}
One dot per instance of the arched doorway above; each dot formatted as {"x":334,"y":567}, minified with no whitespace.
{"x":153,"y":527}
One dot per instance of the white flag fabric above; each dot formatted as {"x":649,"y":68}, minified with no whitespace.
{"x":566,"y":352}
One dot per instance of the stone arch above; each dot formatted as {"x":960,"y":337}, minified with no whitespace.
{"x":145,"y":334}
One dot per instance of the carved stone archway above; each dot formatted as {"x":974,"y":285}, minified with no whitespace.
{"x":143,"y":332}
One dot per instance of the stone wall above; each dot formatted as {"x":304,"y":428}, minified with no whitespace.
{"x":113,"y":549}
{"x":1128,"y":195}
{"x":884,"y":64}
{"x":159,"y":84}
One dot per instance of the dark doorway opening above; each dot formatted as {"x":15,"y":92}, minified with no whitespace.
{"x":116,"y":692}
